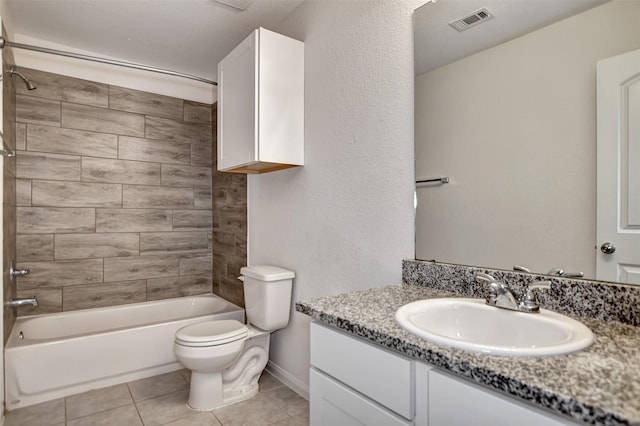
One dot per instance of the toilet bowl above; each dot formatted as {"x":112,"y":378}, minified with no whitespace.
{"x":207,"y":348}
{"x":226,"y":357}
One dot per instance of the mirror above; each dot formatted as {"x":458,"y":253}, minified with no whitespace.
{"x":512,"y":124}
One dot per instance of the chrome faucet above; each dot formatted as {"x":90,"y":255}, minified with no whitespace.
{"x":16,"y":303}
{"x":501,"y":296}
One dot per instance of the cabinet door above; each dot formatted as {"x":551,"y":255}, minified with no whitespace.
{"x":383,"y":376}
{"x":456,"y":402}
{"x":334,"y":404}
{"x":237,"y":105}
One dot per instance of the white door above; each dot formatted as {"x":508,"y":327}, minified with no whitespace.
{"x":618,"y":210}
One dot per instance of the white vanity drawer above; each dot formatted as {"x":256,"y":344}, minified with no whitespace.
{"x":334,"y":404}
{"x":379,"y":374}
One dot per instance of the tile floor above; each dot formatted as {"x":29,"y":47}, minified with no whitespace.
{"x":161,"y":400}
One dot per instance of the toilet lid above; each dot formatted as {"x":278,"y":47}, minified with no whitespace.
{"x":211,"y":333}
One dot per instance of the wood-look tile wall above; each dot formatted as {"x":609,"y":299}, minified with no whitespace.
{"x":113,"y":194}
{"x":229,"y":229}
{"x":9,"y":187}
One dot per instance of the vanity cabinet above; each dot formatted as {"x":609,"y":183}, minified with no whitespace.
{"x":354,"y":382}
{"x":261,"y":105}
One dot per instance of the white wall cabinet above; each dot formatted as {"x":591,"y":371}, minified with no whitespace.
{"x":353,"y":382}
{"x":261,"y":105}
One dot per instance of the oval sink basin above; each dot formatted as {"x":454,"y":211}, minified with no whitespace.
{"x":472,"y":325}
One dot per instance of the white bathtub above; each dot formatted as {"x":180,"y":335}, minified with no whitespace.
{"x":72,"y":352}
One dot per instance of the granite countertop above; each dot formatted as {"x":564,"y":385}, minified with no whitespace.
{"x":600,"y":385}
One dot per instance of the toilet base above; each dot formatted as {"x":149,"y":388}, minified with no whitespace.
{"x":205,"y":395}
{"x":211,"y":390}
{"x":206,"y":392}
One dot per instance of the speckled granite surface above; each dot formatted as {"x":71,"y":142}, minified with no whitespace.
{"x":584,"y":298}
{"x":600,"y":385}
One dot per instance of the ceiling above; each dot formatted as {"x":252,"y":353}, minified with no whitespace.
{"x":192,"y":36}
{"x":188,"y":36}
{"x":437,"y":43}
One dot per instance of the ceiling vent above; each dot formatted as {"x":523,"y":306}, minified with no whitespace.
{"x":471,"y":20}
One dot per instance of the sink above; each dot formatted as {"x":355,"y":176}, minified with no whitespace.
{"x":472,"y":325}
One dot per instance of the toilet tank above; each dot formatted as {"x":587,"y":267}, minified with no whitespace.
{"x":267,"y":296}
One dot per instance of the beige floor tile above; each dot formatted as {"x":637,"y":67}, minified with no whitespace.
{"x":164,"y":409}
{"x":267,"y":381}
{"x":288,"y":400}
{"x":127,"y":415}
{"x":257,"y":411}
{"x":158,"y":385}
{"x":201,"y":418}
{"x":98,"y":400}
{"x":45,"y":414}
{"x":293,"y":421}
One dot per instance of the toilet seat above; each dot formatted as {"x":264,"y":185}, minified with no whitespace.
{"x":211,"y":333}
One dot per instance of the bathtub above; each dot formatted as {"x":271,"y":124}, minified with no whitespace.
{"x":54,"y":355}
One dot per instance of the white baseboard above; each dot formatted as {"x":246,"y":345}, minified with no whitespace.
{"x":288,"y":379}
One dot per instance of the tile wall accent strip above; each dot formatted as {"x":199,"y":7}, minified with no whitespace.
{"x":201,"y":155}
{"x":60,"y":273}
{"x":585,"y":298}
{"x":141,"y":149}
{"x":192,"y":220}
{"x":31,"y":248}
{"x":140,"y":267}
{"x":104,"y":294}
{"x":49,"y":301}
{"x":59,"y":140}
{"x":37,"y":111}
{"x":36,"y":165}
{"x":202,"y":198}
{"x":63,"y":88}
{"x":195,"y":112}
{"x":23,"y":192}
{"x":233,"y":219}
{"x":196,"y":265}
{"x":40,"y":220}
{"x":133,"y":220}
{"x":120,"y":171}
{"x":177,"y":130}
{"x":139,"y":196}
{"x":226,"y":240}
{"x":94,"y":119}
{"x":186,"y":176}
{"x":139,"y":102}
{"x":164,"y":288}
{"x":173,"y":242}
{"x":21,"y":136}
{"x":75,"y":194}
{"x":81,"y":246}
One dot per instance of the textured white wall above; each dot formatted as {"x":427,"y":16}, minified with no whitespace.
{"x":515,"y":129}
{"x":345,"y":220}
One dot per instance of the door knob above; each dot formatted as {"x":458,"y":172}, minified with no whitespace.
{"x":608,"y":248}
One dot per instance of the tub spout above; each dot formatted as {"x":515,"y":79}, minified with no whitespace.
{"x":15,"y":303}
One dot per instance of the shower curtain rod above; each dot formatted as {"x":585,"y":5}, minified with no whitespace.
{"x":4,"y":43}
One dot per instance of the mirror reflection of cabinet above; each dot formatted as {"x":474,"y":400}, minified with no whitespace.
{"x":261,"y":105}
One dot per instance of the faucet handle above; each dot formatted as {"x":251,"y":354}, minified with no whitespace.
{"x":494,"y":287}
{"x":529,"y":302}
{"x":482,"y":277}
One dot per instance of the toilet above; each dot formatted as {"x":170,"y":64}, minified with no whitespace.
{"x":226,"y":357}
